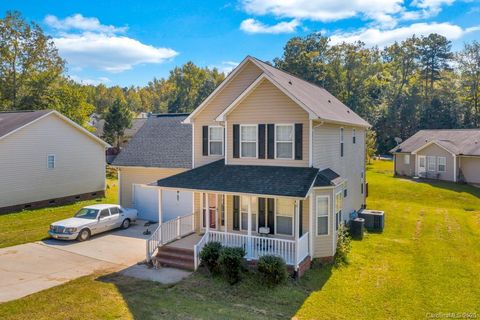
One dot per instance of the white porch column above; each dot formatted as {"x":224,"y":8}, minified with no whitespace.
{"x":225,"y":211}
{"x":297,"y":231}
{"x":311,"y":220}
{"x":207,"y":214}
{"x":249,"y":232}
{"x":160,"y":209}
{"x":454,"y":168}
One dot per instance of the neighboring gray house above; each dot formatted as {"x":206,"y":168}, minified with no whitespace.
{"x":46,"y":159}
{"x":162,"y":147}
{"x":447,"y":154}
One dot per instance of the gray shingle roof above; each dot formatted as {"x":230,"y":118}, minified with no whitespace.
{"x":457,"y":141}
{"x":327,"y":177}
{"x":317,"y":99}
{"x":162,"y":142}
{"x":10,"y":121}
{"x":250,"y":179}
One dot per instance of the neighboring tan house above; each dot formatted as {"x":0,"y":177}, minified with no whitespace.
{"x":161,"y":148}
{"x":447,"y":154}
{"x":278,"y":165}
{"x":47,"y":159}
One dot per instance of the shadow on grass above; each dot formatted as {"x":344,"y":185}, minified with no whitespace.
{"x":203,"y":297}
{"x":447,"y":185}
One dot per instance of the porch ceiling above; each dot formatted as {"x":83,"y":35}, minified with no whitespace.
{"x":246,"y":179}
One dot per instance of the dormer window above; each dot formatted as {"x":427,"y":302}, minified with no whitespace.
{"x":215,"y":141}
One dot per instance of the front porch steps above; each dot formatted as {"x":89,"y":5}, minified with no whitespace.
{"x":169,"y":256}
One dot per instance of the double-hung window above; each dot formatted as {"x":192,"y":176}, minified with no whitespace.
{"x":338,"y":209}
{"x":322,"y":215}
{"x":244,"y":212}
{"x":248,"y":141}
{"x":442,"y":164}
{"x":284,"y":216}
{"x":51,"y":161}
{"x":341,"y":142}
{"x":215,"y":140}
{"x":406,"y":159}
{"x":431,"y":163}
{"x":284,"y":141}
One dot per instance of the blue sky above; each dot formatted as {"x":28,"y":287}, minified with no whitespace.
{"x":131,"y":42}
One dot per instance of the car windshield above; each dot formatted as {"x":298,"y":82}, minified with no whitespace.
{"x":87,"y":213}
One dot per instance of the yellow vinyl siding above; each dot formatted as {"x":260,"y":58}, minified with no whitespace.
{"x":323,"y":246}
{"x":79,"y":163}
{"x":267,"y":104}
{"x":140,"y":175}
{"x":219,"y":103}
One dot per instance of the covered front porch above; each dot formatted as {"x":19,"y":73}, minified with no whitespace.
{"x":263,"y":209}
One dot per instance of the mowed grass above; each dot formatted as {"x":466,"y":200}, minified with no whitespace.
{"x":427,"y":261}
{"x":32,"y":225}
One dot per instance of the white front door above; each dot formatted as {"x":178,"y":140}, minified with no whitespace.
{"x":422,"y":165}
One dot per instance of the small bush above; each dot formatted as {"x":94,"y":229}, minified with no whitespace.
{"x":210,"y":255}
{"x":273,"y":269}
{"x":343,"y":246}
{"x":231,"y":262}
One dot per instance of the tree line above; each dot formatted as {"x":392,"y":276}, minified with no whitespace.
{"x":410,"y":85}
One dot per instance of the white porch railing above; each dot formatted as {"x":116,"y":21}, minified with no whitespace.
{"x":302,"y":248}
{"x":198,"y":248}
{"x":168,"y":232}
{"x":256,"y":246}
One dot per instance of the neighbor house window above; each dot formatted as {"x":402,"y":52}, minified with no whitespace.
{"x":431,"y":163}
{"x":284,"y":141}
{"x":341,"y":142}
{"x":284,"y":217}
{"x":338,"y":209}
{"x":215,"y":140}
{"x":244,"y":213}
{"x":442,"y":164}
{"x":322,"y":215}
{"x":354,"y":136}
{"x":248,"y":141}
{"x":406,"y":159}
{"x":51,"y":161}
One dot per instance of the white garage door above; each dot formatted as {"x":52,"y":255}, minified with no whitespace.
{"x":175,"y":203}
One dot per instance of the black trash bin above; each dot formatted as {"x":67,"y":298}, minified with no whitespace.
{"x":357,"y":228}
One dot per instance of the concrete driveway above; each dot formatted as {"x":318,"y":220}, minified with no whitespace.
{"x":31,"y":267}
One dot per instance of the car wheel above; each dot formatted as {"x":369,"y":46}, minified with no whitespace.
{"x":126,"y":224}
{"x":84,"y":235}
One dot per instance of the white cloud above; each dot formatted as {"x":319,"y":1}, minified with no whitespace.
{"x":431,"y":7}
{"x":227,"y":66}
{"x":326,"y":11}
{"x":108,"y":52}
{"x":87,"y":81}
{"x":375,"y":36}
{"x":255,"y":26}
{"x":86,"y":43}
{"x":79,"y":22}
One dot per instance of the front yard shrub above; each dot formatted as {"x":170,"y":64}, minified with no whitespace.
{"x":231,"y":262}
{"x":210,"y":255}
{"x":343,"y":246}
{"x":272,"y":269}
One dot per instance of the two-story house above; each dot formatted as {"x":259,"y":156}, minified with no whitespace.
{"x":278,"y":163}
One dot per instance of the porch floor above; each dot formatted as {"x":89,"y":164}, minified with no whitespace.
{"x":187,"y":242}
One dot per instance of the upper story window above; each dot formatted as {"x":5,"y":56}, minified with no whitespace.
{"x":442,"y":164}
{"x":284,"y":141}
{"x":215,"y":140}
{"x":51,"y":161}
{"x":341,"y":142}
{"x":248,"y":141}
{"x":354,"y":136}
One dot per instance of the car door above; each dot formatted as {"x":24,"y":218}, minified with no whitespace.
{"x":103,"y":221}
{"x":115,"y":221}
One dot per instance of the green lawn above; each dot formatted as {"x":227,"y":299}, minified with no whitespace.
{"x":426,"y":261}
{"x":32,"y":225}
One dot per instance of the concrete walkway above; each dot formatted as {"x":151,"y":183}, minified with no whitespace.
{"x":32,"y":267}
